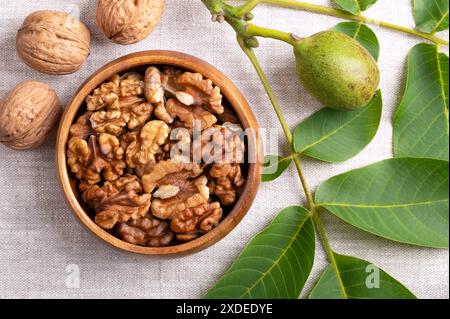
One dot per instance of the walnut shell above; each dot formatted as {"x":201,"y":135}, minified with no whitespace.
{"x":128,"y":21}
{"x":27,"y":115}
{"x":53,"y":42}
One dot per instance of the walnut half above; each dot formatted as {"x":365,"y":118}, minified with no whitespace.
{"x":182,"y":198}
{"x":146,"y":144}
{"x":226,"y":180}
{"x":173,"y":174}
{"x":117,"y":202}
{"x":147,"y":231}
{"x":100,"y":155}
{"x":190,"y":96}
{"x":193,"y":222}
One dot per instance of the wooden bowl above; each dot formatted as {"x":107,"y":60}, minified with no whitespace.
{"x":231,"y":94}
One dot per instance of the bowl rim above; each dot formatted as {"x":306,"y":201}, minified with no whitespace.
{"x":236,"y":100}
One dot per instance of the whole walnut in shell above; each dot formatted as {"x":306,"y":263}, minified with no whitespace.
{"x":53,"y":42}
{"x":27,"y":115}
{"x":128,"y":21}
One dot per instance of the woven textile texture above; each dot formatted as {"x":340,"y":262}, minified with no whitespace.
{"x":41,"y":242}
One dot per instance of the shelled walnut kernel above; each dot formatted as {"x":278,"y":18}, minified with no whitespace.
{"x":155,"y":162}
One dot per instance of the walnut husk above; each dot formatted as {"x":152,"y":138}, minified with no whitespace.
{"x":28,"y":113}
{"x":53,"y":42}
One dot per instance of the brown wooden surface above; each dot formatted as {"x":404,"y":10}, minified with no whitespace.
{"x":230,"y":92}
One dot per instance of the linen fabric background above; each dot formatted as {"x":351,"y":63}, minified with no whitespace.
{"x":40,"y":239}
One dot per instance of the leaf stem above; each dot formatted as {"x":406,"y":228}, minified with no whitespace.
{"x":329,"y":251}
{"x":257,"y":31}
{"x":276,"y":106}
{"x":298,"y":5}
{"x":309,"y":197}
{"x":292,"y":156}
{"x":297,"y":160}
{"x":247,"y":7}
{"x":244,"y":29}
{"x":319,"y":226}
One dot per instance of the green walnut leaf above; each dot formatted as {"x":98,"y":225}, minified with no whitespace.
{"x":358,"y":279}
{"x":361,"y":33}
{"x":335,"y":136}
{"x":274,"y":166}
{"x":355,"y":6}
{"x":431,"y":15}
{"x":402,"y":199}
{"x":421,"y":126}
{"x":275,"y":264}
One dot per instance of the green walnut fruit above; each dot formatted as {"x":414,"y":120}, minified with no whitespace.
{"x":337,"y":70}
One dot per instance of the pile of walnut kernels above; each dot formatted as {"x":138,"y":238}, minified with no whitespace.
{"x":140,"y":169}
